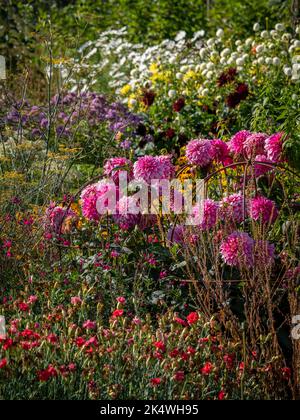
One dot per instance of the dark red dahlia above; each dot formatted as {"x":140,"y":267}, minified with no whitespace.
{"x":148,"y":97}
{"x":170,"y":133}
{"x":227,"y":77}
{"x":179,"y":104}
{"x":239,"y":95}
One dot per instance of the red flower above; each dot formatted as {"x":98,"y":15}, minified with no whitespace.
{"x":117,"y":313}
{"x":221,"y":396}
{"x":170,"y":133}
{"x":181,"y":321}
{"x":80,"y":341}
{"x":174,"y":353}
{"x":7,"y":344}
{"x":3,"y":363}
{"x":155,"y":381}
{"x":229,"y":359}
{"x":179,"y":376}
{"x":24,"y":307}
{"x":179,"y":104}
{"x":160,"y":346}
{"x":44,"y":375}
{"x":192,"y":318}
{"x":121,"y":299}
{"x":148,"y":97}
{"x":207,"y":368}
{"x":52,"y":338}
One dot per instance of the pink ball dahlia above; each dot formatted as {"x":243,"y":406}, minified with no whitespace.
{"x":200,"y":152}
{"x":128,"y":213}
{"x":220,"y":151}
{"x":148,"y":168}
{"x":263,"y":209}
{"x":168,"y":169}
{"x":231,"y":208}
{"x":95,"y":202}
{"x":236,"y":144}
{"x":237,"y":250}
{"x":114,"y":166}
{"x":262,"y":169}
{"x":208,"y":219}
{"x":255,"y":145}
{"x":274,"y":147}
{"x":55,"y":218}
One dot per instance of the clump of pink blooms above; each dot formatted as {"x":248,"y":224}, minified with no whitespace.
{"x":114,"y":166}
{"x":254,"y":145}
{"x":221,"y":153}
{"x":149,"y":168}
{"x":168,"y":169}
{"x":128,"y":213}
{"x":231,"y":208}
{"x":207,"y":218}
{"x":236,"y":144}
{"x":262,"y":209}
{"x":238,"y":250}
{"x":95,"y":201}
{"x":262,"y":169}
{"x":55,"y":217}
{"x":200,"y":152}
{"x":274,"y":147}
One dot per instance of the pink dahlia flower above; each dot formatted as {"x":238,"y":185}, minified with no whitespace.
{"x":98,"y":199}
{"x":262,"y":209}
{"x":237,"y":250}
{"x":55,"y":218}
{"x":168,"y":168}
{"x":128,"y":213}
{"x":200,"y":152}
{"x":114,"y":166}
{"x":208,"y":219}
{"x":236,"y":144}
{"x":273,"y":147}
{"x":262,"y":169}
{"x":148,"y":168}
{"x":220,"y":151}
{"x":255,"y":145}
{"x":231,"y":208}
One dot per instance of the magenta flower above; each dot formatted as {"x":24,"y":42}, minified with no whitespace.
{"x":220,"y":151}
{"x":148,"y":168}
{"x":274,"y":147}
{"x":231,"y":208}
{"x":262,"y":209}
{"x":236,"y":144}
{"x":262,"y":169}
{"x":128,"y":213}
{"x":90,"y":325}
{"x":168,"y":169}
{"x":237,"y":250}
{"x":98,"y":199}
{"x":255,"y":145}
{"x":208,"y":219}
{"x":114,"y":166}
{"x":55,"y":217}
{"x":200,"y":152}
